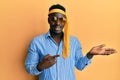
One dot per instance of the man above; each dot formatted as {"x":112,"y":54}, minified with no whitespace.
{"x":55,"y":54}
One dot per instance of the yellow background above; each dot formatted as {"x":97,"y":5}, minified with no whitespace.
{"x":94,"y":22}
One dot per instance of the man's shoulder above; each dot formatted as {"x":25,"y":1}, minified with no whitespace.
{"x":73,"y":37}
{"x":74,"y":40}
{"x":39,"y":37}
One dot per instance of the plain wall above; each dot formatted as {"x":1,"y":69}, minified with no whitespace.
{"x":94,"y":22}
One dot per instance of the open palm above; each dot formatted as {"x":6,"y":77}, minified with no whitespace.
{"x":100,"y":50}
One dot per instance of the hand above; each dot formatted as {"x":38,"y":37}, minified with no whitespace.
{"x":47,"y":62}
{"x":100,"y":50}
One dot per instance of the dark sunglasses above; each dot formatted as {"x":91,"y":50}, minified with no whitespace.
{"x":54,"y":19}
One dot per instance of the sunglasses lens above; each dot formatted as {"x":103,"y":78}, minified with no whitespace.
{"x":55,"y":19}
{"x":62,"y":19}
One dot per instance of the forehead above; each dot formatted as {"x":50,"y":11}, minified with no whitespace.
{"x":57,"y":14}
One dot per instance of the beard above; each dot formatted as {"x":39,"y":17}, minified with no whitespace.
{"x":55,"y":33}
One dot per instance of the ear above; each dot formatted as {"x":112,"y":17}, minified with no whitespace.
{"x":48,"y":20}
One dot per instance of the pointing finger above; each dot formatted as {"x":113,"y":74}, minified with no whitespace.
{"x":55,"y":56}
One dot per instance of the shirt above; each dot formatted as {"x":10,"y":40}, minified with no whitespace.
{"x":63,"y":69}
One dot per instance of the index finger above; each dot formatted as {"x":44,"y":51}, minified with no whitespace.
{"x":55,"y":56}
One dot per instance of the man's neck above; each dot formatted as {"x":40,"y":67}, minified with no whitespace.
{"x":56,"y":35}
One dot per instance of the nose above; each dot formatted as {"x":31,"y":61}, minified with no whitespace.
{"x":58,"y":22}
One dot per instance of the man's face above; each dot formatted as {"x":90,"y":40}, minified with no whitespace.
{"x":57,"y":22}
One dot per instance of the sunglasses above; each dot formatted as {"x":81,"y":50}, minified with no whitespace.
{"x":54,"y":19}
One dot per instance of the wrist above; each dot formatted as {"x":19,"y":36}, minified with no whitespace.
{"x":39,"y":67}
{"x":89,"y":55}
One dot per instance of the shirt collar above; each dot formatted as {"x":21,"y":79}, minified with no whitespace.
{"x":48,"y":34}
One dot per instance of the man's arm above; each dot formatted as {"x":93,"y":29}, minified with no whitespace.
{"x":32,"y":59}
{"x":81,"y":61}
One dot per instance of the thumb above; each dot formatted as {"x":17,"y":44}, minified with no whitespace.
{"x":101,"y":46}
{"x":47,"y":56}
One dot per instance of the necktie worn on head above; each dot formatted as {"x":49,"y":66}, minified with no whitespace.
{"x":66,"y":38}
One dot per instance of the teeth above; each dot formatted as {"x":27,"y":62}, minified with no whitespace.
{"x":57,"y":28}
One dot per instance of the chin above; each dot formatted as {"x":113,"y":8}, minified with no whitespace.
{"x":58,"y":32}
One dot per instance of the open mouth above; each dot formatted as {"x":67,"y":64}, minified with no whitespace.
{"x":57,"y":28}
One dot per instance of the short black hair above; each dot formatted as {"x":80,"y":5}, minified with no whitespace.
{"x":57,"y":6}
